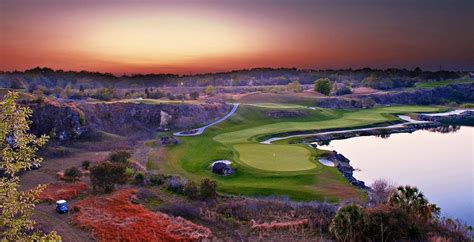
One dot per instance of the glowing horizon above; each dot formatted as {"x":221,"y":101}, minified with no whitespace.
{"x":199,"y":36}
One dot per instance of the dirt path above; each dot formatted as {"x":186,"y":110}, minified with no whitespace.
{"x":49,"y":168}
{"x":48,"y":219}
{"x":45,"y":215}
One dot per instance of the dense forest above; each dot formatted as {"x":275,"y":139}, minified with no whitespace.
{"x":379,"y":79}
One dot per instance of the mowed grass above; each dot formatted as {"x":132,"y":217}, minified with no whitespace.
{"x":257,"y":172}
{"x":276,"y":157}
{"x":322,"y":119}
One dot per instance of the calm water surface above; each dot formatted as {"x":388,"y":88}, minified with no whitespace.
{"x":439,"y":164}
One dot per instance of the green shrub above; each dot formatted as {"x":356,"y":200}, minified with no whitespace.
{"x":191,"y":190}
{"x":139,"y":179}
{"x":343,"y":91}
{"x":384,"y":223}
{"x":120,"y":156}
{"x":323,"y":86}
{"x":414,"y":203}
{"x":156,"y":180}
{"x":106,"y":174}
{"x":294,"y":86}
{"x":72,"y":173}
{"x":347,"y":224}
{"x":208,"y":189}
{"x":128,"y":172}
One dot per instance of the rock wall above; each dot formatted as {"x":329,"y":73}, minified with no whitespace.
{"x":465,"y":118}
{"x":70,"y":121}
{"x":60,"y":122}
{"x":128,"y":118}
{"x":423,"y":96}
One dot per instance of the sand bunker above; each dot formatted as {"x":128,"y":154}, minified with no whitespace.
{"x":326,"y":162}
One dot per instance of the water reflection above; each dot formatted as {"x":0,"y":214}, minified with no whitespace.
{"x":323,"y":142}
{"x":439,"y":161}
{"x":445,"y":129}
{"x":383,"y":136}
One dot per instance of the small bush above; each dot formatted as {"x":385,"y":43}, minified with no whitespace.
{"x":85,"y":164}
{"x":347,"y":224}
{"x":208,"y":189}
{"x":294,"y":86}
{"x":176,"y":184}
{"x":129,"y":172}
{"x":156,"y":180}
{"x":393,"y":220}
{"x":106,"y":174}
{"x":120,"y":156}
{"x":72,"y":173}
{"x":139,"y":179}
{"x":343,"y":91}
{"x":323,"y":86}
{"x":191,"y":190}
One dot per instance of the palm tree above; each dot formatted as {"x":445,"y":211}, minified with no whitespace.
{"x":414,"y":202}
{"x":347,"y":223}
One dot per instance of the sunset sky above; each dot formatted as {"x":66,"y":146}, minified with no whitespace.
{"x":206,"y":36}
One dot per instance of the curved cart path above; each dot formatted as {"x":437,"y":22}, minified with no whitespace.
{"x":201,"y":130}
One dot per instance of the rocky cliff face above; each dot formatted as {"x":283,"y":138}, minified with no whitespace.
{"x":70,"y":121}
{"x":60,"y":122}
{"x":439,"y":95}
{"x":128,"y":118}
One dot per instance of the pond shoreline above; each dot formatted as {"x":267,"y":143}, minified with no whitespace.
{"x":423,"y":122}
{"x":343,"y":165}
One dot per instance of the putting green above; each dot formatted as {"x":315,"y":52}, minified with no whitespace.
{"x":275,"y":157}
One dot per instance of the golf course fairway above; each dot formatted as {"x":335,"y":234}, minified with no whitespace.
{"x":281,"y":169}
